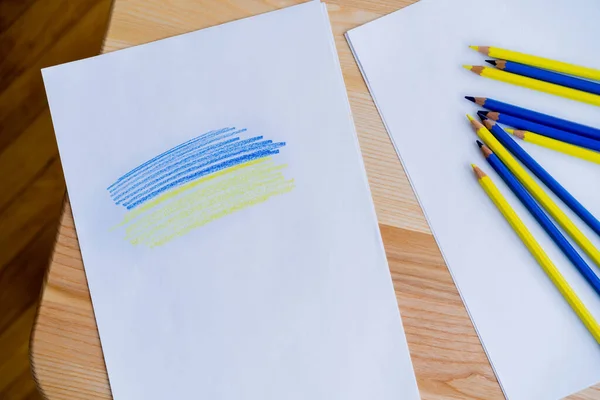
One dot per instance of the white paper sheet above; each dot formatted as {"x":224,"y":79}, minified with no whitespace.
{"x":240,"y":280}
{"x":412,"y":61}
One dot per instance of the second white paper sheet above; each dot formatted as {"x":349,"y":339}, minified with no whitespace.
{"x":224,"y":217}
{"x":412,"y":62}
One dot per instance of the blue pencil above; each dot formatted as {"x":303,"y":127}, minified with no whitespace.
{"x":541,"y":217}
{"x":534,"y":116}
{"x":548,"y":131}
{"x":547,"y":76}
{"x":543,"y":175}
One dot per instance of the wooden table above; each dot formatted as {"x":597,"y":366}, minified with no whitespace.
{"x":448,"y":358}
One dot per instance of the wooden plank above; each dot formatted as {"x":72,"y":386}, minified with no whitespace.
{"x":21,"y":278}
{"x":26,"y":157}
{"x":24,"y":97}
{"x":36,"y":30}
{"x":11,"y":10}
{"x":447,"y":355}
{"x":66,"y":325}
{"x":33,"y":34}
{"x":22,"y":387}
{"x":22,"y":219}
{"x":14,"y":348}
{"x":446,"y":352}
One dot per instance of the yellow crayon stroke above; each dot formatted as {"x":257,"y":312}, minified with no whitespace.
{"x":173,"y":193}
{"x":252,"y":175}
{"x":201,"y":217}
{"x":179,"y":211}
{"x":201,"y":201}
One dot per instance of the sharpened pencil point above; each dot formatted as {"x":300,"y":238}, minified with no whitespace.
{"x":477,"y":69}
{"x":517,"y":132}
{"x":474,"y":123}
{"x":470,"y":98}
{"x":486,"y":151}
{"x":478,"y":172}
{"x":482,"y":114}
{"x":479,"y":143}
{"x":489,"y":123}
{"x":480,"y":101}
{"x":493,"y":62}
{"x":481,"y":49}
{"x":494,"y":116}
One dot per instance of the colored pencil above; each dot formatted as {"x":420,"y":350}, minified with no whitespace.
{"x":541,"y":217}
{"x":540,"y":129}
{"x":556,"y":145}
{"x":535,"y":84}
{"x":538,"y":253}
{"x":535,"y":116}
{"x":536,"y":191}
{"x":547,"y":76}
{"x":540,"y":62}
{"x":542,"y":175}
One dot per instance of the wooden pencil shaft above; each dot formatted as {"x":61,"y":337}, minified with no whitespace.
{"x":556,"y":145}
{"x":548,"y":76}
{"x":540,"y":62}
{"x":538,"y":85}
{"x":538,"y":193}
{"x":541,"y":257}
{"x":537,"y":117}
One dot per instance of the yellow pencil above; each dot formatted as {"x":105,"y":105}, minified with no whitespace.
{"x":536,"y":191}
{"x":538,"y":253}
{"x":540,"y":62}
{"x":535,"y":84}
{"x":556,"y":145}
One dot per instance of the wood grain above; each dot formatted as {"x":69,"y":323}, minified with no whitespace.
{"x":447,"y":355}
{"x":33,"y":34}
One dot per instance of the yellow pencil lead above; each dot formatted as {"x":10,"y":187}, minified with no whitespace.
{"x":469,"y":117}
{"x":467,"y":67}
{"x":476,"y":48}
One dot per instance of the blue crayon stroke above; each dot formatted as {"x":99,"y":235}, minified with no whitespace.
{"x":209,"y":170}
{"x":179,"y":164}
{"x":185,"y":170}
{"x":181,"y":147}
{"x":196,"y":148}
{"x":198,"y":162}
{"x":165,"y":164}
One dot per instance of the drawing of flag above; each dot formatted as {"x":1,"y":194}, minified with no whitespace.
{"x":196,"y":182}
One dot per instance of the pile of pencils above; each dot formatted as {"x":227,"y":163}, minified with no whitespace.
{"x":502,"y":152}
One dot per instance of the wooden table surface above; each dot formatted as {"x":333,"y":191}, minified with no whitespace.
{"x":449,"y":361}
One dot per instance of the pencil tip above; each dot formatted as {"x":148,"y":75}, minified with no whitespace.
{"x":470,"y":98}
{"x":479,"y":143}
{"x":489,"y":123}
{"x":517,"y":132}
{"x":478,"y":172}
{"x":486,"y":151}
{"x":482,"y":114}
{"x":493,"y":62}
{"x":476,"y":48}
{"x":470,"y":118}
{"x":477,"y":69}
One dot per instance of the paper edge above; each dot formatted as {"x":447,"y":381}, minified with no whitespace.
{"x":397,"y":150}
{"x":365,"y":180}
